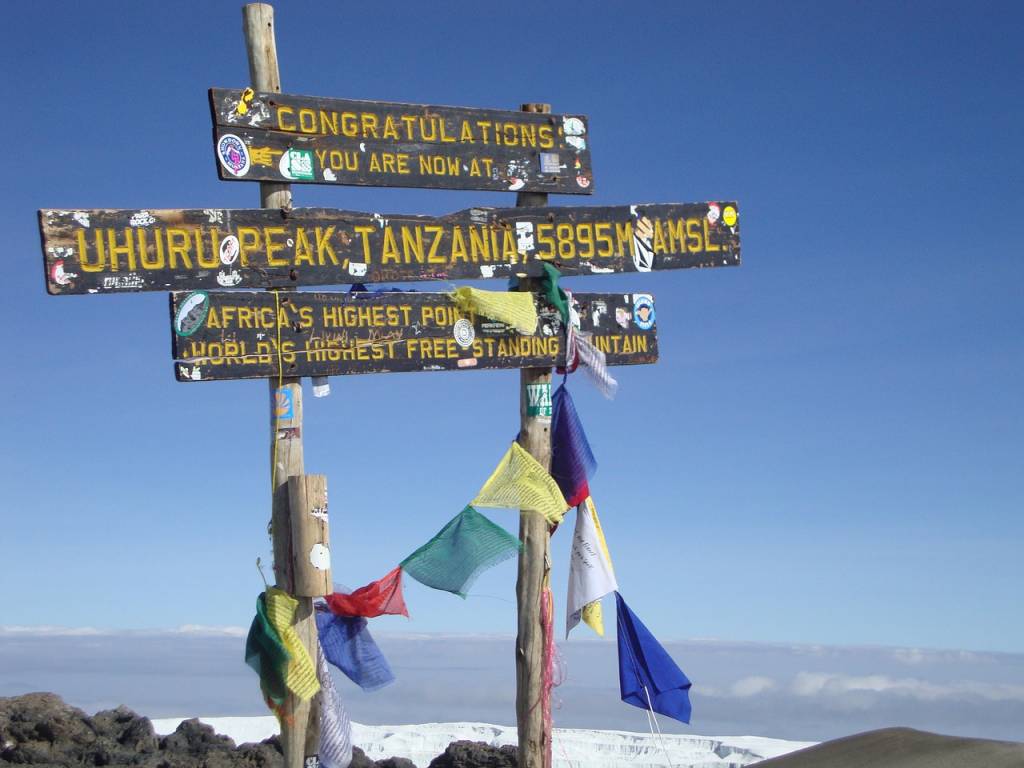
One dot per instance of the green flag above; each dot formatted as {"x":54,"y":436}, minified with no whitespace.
{"x":468,"y":545}
{"x":266,"y":654}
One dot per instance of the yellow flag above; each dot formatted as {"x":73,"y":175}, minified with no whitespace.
{"x":301,"y":675}
{"x":520,"y":482}
{"x":593,"y":617}
{"x":510,"y":307}
{"x":600,"y":531}
{"x":592,"y":614}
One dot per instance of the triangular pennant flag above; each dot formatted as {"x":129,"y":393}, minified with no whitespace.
{"x":648,"y":678}
{"x":266,"y":654}
{"x":375,"y":599}
{"x":572,"y":461}
{"x":347,"y":644}
{"x":590,"y":569}
{"x":512,"y":308}
{"x":468,"y":545}
{"x":592,"y":615}
{"x":300,"y":676}
{"x":520,"y":482}
{"x":335,"y":728}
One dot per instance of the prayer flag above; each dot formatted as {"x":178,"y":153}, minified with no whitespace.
{"x":467,"y":545}
{"x":335,"y":728}
{"x":347,"y":644}
{"x":555,"y":295}
{"x":266,"y":654}
{"x":375,"y":599}
{"x":512,"y":308}
{"x":648,"y":678}
{"x":590,"y":569}
{"x":595,"y":365}
{"x":520,"y":482}
{"x":572,"y":461}
{"x":300,"y":675}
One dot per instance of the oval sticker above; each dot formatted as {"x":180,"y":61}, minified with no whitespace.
{"x":192,"y":313}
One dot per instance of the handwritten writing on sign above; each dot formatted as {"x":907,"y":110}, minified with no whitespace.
{"x":110,"y":251}
{"x":305,"y":139}
{"x":243,"y":334}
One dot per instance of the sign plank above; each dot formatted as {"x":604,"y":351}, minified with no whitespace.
{"x":311,"y":140}
{"x":247,"y":334}
{"x":113,"y":251}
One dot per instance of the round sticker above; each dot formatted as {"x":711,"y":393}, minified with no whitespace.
{"x":643,"y":311}
{"x":320,"y":557}
{"x":573,"y":126}
{"x":233,"y":154}
{"x":714,"y":213}
{"x":729,"y":216}
{"x":228,"y":250}
{"x":192,"y":313}
{"x":464,"y":332}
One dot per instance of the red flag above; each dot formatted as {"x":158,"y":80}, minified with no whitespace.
{"x":376,"y":598}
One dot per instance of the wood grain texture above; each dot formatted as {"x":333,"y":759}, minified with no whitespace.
{"x":115,"y":251}
{"x":534,"y":567}
{"x":307,"y":504}
{"x":300,"y":734}
{"x":252,"y":334}
{"x":314,"y":140}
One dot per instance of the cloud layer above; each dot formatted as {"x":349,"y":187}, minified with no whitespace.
{"x":785,"y":691}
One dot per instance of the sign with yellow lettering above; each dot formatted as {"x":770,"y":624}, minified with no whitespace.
{"x":247,"y":334}
{"x":112,"y":251}
{"x":305,"y":139}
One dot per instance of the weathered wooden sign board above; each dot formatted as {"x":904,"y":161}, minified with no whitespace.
{"x":309,"y":140}
{"x":113,"y":251}
{"x":245,"y":334}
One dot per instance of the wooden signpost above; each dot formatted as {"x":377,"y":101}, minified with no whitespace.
{"x":260,"y":136}
{"x":114,"y":251}
{"x":276,"y":139}
{"x":242,"y":334}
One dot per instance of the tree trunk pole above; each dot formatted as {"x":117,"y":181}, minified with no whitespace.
{"x":300,"y":733}
{"x":535,"y":556}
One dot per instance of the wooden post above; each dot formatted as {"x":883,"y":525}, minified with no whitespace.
{"x":311,"y":555}
{"x":535,"y":556}
{"x":300,"y":736}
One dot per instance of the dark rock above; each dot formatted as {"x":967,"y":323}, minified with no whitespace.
{"x":123,"y":726}
{"x":39,"y":729}
{"x":195,"y":738}
{"x":396,"y":762}
{"x":360,"y":760}
{"x":475,"y":754}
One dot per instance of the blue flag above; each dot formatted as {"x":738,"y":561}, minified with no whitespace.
{"x":347,"y":645}
{"x":648,"y":678}
{"x":572,"y":461}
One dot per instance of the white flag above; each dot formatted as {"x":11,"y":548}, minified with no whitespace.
{"x":335,"y":727}
{"x":590,"y":573}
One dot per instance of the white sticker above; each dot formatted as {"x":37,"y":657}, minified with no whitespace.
{"x":320,"y":557}
{"x":464,"y":333}
{"x":229,"y":250}
{"x":229,"y":279}
{"x":573,"y":126}
{"x":356,"y":269}
{"x":233,"y":154}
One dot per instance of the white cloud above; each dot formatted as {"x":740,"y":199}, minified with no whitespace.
{"x":185,"y":629}
{"x":751,"y":686}
{"x":837,"y":685}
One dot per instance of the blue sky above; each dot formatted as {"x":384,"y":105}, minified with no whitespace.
{"x":829,"y":450}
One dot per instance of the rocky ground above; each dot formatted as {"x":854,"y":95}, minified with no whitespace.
{"x":40,"y":729}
